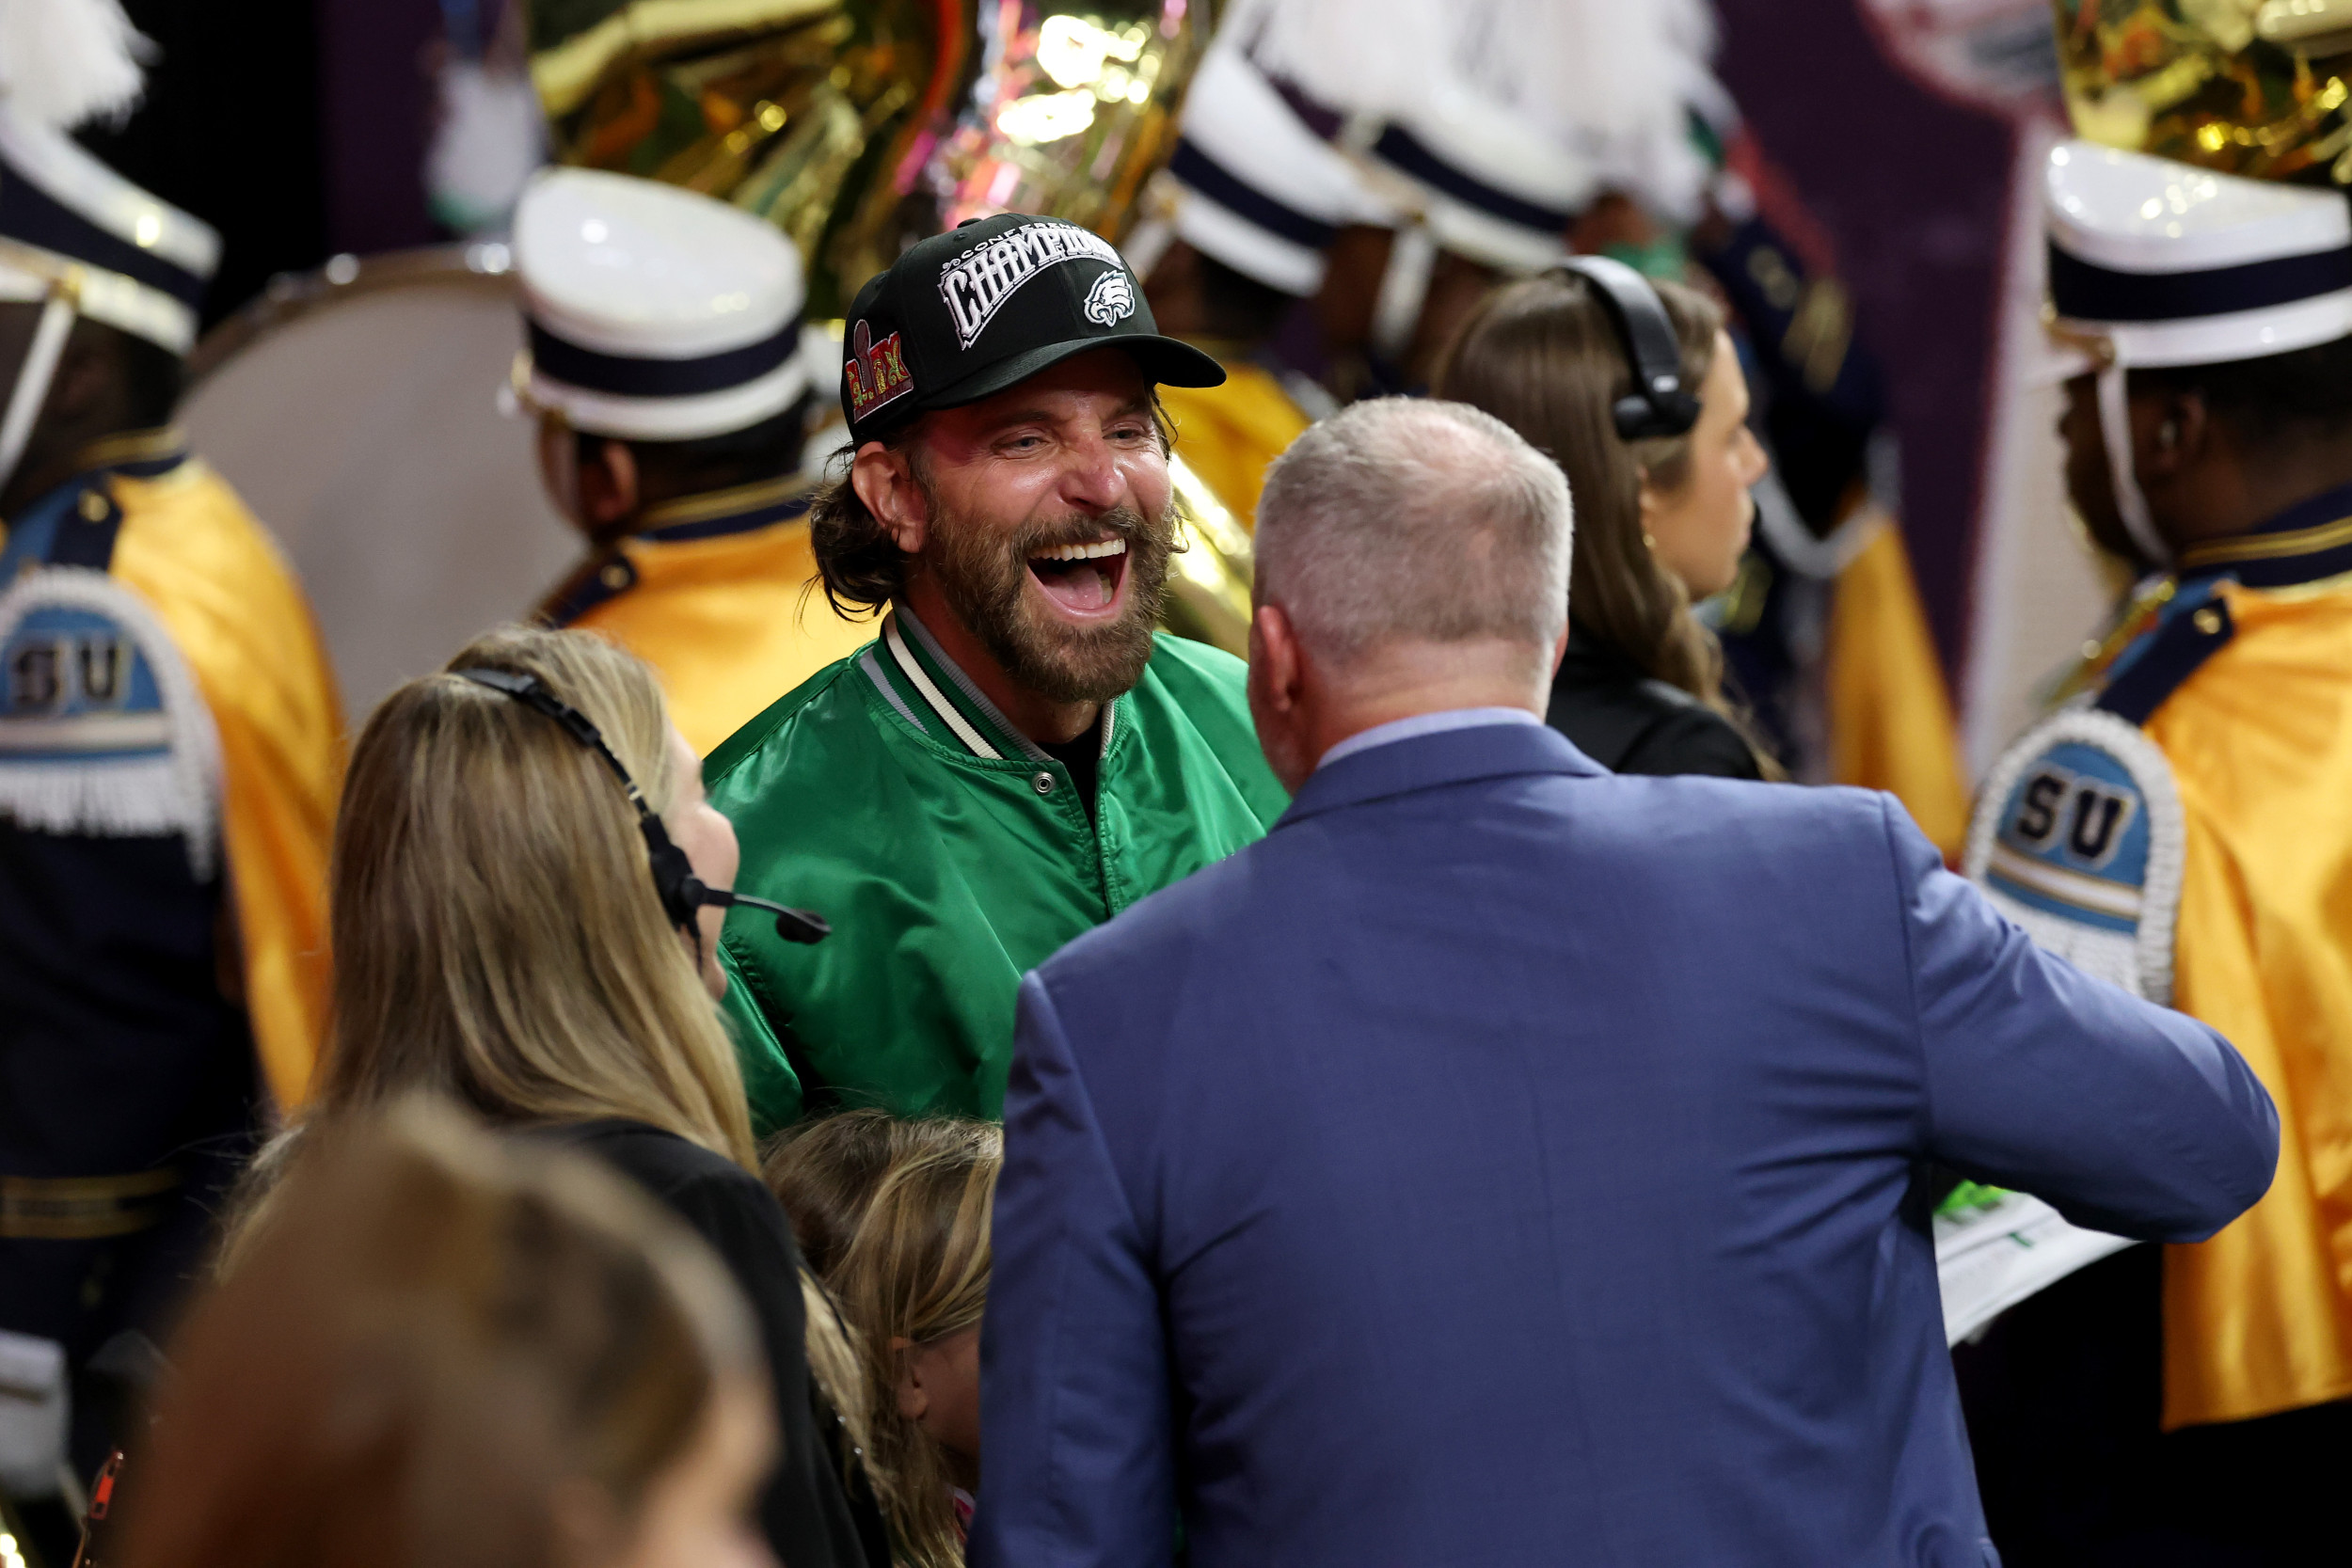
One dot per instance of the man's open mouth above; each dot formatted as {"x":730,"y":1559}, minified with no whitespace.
{"x":1083,"y":579}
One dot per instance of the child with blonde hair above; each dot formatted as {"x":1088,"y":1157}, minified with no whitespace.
{"x":914,"y":1198}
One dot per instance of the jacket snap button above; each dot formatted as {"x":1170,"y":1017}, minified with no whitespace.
{"x":1045,"y":783}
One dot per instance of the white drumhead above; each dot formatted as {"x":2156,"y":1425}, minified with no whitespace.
{"x":358,"y":415}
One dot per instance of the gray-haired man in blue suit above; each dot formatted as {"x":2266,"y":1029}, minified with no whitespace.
{"x":1508,"y":1162}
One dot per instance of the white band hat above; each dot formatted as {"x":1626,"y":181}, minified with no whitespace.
{"x":1496,"y":187}
{"x":137,"y":263}
{"x":653,"y":312}
{"x":2155,"y":263}
{"x":1262,"y":191}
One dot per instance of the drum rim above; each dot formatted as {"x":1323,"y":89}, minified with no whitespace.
{"x":291,"y":295}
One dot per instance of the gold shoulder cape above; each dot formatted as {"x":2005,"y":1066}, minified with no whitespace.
{"x":2259,"y":1319}
{"x":189,"y":547}
{"x":720,"y":595}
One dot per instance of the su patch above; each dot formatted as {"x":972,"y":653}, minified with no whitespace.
{"x":2078,"y":838}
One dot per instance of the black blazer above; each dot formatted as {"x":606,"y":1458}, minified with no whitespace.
{"x":1631,"y":724}
{"x":805,"y":1511}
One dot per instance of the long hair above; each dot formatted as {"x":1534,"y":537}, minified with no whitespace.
{"x":496,"y":935}
{"x":432,"y":1339}
{"x":916,"y":1273}
{"x":1543,"y":356}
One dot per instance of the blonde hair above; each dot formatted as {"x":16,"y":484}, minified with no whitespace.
{"x":496,"y":935}
{"x":826,"y":1170}
{"x":916,"y":1273}
{"x":429,"y":1336}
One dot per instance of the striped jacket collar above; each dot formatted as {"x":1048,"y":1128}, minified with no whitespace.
{"x":610,"y":571}
{"x":2309,"y":541}
{"x":932,"y":691}
{"x":735,"y":510}
{"x":40,"y":534}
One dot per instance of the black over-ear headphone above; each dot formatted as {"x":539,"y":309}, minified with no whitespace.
{"x":1661,"y":405}
{"x":682,"y":893}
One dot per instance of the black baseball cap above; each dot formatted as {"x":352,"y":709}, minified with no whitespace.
{"x":988,"y":304}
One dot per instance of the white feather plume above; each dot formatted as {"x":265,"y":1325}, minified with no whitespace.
{"x":64,"y":63}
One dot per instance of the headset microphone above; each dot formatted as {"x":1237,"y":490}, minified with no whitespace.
{"x":1661,"y":405}
{"x":682,"y":893}
{"x":803,"y":925}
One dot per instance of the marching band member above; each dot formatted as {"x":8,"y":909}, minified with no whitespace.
{"x":169,"y":751}
{"x":1019,"y":756}
{"x":665,"y":367}
{"x":1256,"y":200}
{"x":2182,"y":828}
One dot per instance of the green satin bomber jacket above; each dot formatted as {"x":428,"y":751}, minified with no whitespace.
{"x":952,"y":856}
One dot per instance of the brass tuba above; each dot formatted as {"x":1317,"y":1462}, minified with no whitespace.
{"x":860,"y":126}
{"x":2254,"y":88}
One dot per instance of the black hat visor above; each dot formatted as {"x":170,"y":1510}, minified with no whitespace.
{"x":1165,"y":361}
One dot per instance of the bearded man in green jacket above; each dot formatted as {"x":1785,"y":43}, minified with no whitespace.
{"x":1019,"y":755}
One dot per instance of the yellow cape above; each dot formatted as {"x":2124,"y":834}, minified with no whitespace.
{"x":189,"y":547}
{"x":2259,"y":1319}
{"x":1890,"y":716}
{"x":730,"y":620}
{"x":1229,"y":435}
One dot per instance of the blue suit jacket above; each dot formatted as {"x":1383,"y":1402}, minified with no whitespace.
{"x":1508,"y":1163}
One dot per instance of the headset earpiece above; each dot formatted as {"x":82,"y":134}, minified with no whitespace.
{"x":1660,"y":405}
{"x":683,"y":894}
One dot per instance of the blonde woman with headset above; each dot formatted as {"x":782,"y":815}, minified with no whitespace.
{"x":526,"y":893}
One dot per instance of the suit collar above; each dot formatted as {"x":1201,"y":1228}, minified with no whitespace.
{"x":1435,"y":761}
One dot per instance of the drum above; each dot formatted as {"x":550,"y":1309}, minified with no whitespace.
{"x":357,"y":411}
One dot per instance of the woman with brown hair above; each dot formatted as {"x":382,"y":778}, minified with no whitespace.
{"x":1660,"y":522}
{"x":513,"y":928}
{"x":442,"y":1350}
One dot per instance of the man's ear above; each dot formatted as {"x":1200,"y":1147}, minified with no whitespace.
{"x":607,"y":485}
{"x":1275,"y":669}
{"x":84,"y":380}
{"x":1559,"y":652}
{"x":884,"y":481}
{"x":2174,"y":432}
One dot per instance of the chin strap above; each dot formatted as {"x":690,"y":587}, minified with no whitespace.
{"x":34,"y":376}
{"x":1403,"y":289}
{"x":2115,"y":432}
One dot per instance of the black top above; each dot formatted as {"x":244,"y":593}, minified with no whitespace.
{"x":805,"y":1511}
{"x":1631,"y":723}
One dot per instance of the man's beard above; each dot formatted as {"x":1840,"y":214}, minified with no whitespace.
{"x":983,"y":574}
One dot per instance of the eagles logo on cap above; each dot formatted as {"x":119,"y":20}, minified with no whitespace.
{"x":1111,"y":300}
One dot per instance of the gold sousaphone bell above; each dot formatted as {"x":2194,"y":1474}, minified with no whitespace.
{"x":860,"y":126}
{"x":2253,"y":87}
